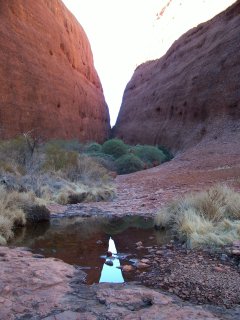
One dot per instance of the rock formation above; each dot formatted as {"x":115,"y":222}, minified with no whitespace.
{"x":48,"y":83}
{"x":192,"y":93}
{"x":37,"y":288}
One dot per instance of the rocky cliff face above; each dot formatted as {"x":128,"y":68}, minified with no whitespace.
{"x":48,"y":83}
{"x":192,"y":93}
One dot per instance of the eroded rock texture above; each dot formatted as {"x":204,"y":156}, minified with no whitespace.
{"x":37,"y":288}
{"x":190,"y":94}
{"x":48,"y":83}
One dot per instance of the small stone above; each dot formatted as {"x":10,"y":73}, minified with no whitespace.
{"x":99,"y":242}
{"x":109,"y":263}
{"x":127,"y":268}
{"x":38,"y":256}
{"x":145,"y":260}
{"x":141,"y":265}
{"x":109,"y":253}
{"x":159,"y":252}
{"x":236,"y":252}
{"x":218,"y":269}
{"x":140,"y":247}
{"x":224,"y":257}
{"x":151,"y":250}
{"x":139,"y":243}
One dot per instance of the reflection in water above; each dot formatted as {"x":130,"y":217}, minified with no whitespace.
{"x":82,"y":241}
{"x":112,"y":273}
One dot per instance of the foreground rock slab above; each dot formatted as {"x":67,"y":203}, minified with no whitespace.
{"x":37,"y":288}
{"x":30,"y":284}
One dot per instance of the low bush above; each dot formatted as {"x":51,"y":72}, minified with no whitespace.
{"x":12,"y":211}
{"x":93,"y":147}
{"x":86,"y":170}
{"x":151,"y":155}
{"x":168,"y":154}
{"x":106,"y":160}
{"x":115,"y":148}
{"x":57,"y":159}
{"x":210,"y":217}
{"x":16,"y":152}
{"x":128,"y":163}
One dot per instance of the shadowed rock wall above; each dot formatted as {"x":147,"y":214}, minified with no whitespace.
{"x":48,"y":83}
{"x":191,"y":93}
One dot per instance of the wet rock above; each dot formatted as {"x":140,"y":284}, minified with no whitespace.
{"x":127,"y":268}
{"x":141,"y":265}
{"x":109,"y":263}
{"x":109,"y":253}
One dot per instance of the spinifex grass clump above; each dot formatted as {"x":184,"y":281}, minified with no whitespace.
{"x":206,"y":218}
{"x":12,"y":211}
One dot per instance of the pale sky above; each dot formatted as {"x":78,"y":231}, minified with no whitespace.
{"x":125,"y":33}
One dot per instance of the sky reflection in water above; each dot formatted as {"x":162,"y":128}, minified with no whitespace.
{"x":112,"y":273}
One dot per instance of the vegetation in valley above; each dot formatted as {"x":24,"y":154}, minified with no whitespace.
{"x":207,"y":218}
{"x":63,"y":172}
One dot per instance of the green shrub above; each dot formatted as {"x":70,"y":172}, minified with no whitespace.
{"x":115,"y":148}
{"x":149,"y":154}
{"x":168,"y":154}
{"x":105,"y":160}
{"x":93,"y":147}
{"x":128,"y":163}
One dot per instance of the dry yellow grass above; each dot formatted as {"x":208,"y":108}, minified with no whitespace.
{"x":12,"y":213}
{"x":210,"y":217}
{"x":87,"y":194}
